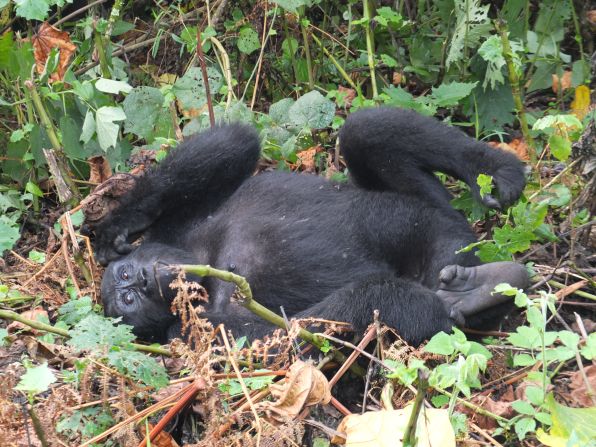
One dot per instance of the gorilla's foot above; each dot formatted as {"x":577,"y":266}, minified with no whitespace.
{"x":468,"y":290}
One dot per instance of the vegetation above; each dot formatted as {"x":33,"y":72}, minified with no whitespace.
{"x":87,"y":90}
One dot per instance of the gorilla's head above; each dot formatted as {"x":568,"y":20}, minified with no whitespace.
{"x":136,"y":287}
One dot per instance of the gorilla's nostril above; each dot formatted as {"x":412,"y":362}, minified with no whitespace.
{"x":143,"y":277}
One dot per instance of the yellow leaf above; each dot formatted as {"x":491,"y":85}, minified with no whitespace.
{"x":550,"y":440}
{"x":386,"y":428}
{"x":580,"y":105}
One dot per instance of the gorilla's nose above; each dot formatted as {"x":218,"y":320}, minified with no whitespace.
{"x":142,"y":279}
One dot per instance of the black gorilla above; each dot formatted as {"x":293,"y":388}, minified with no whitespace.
{"x":337,"y":251}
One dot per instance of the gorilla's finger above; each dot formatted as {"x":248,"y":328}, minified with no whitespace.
{"x":491,"y":201}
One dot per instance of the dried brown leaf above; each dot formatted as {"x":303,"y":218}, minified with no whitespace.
{"x":561,"y":83}
{"x":46,"y":39}
{"x":100,"y":169}
{"x":303,"y":386}
{"x":579,"y":391}
{"x":34,"y":314}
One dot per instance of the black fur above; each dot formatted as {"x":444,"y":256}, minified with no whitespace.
{"x":317,"y":248}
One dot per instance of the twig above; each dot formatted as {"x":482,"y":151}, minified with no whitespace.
{"x":203,"y":65}
{"x":260,"y":62}
{"x":198,"y":385}
{"x":485,"y":435}
{"x":77,"y":12}
{"x":368,"y":337}
{"x":43,"y":269}
{"x":581,"y":293}
{"x":370,"y":50}
{"x":578,"y":359}
{"x":555,"y":178}
{"x":251,"y":404}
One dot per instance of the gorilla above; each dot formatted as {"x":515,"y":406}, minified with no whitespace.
{"x":386,"y":240}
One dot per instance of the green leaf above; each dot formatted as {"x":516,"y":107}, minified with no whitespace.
{"x":388,"y":17}
{"x":560,"y":147}
{"x":32,"y":9}
{"x":111,"y":86}
{"x":279,"y":112}
{"x":95,"y":332}
{"x":472,"y":23}
{"x":190,"y":88}
{"x":568,"y":424}
{"x":292,"y":5}
{"x":312,"y":110}
{"x":88,"y":127}
{"x":142,"y":107}
{"x":37,"y":257}
{"x":107,"y":130}
{"x":569,"y":339}
{"x":4,"y":341}
{"x":492,"y":52}
{"x":248,"y":40}
{"x":36,"y":380}
{"x":450,"y":94}
{"x":440,"y":344}
{"x":75,"y":310}
{"x":524,"y":360}
{"x":485,"y":182}
{"x":9,"y":234}
{"x":139,"y":366}
{"x":525,"y":337}
{"x":589,"y":350}
{"x":523,"y":407}
{"x":388,"y":60}
{"x":524,"y":426}
{"x":33,"y":189}
{"x":535,"y":395}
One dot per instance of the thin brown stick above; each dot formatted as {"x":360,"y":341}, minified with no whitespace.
{"x":203,"y":65}
{"x":368,"y":337}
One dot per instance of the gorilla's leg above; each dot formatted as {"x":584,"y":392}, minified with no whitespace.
{"x":396,"y":149}
{"x":200,"y":174}
{"x":414,"y":310}
{"x":469,"y":290}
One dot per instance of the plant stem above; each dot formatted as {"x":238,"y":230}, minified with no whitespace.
{"x":581,"y":293}
{"x":334,"y":61}
{"x":104,"y":65}
{"x":410,"y":431}
{"x":516,"y":89}
{"x":37,"y":427}
{"x":60,"y":157}
{"x":203,"y":65}
{"x":13,"y":316}
{"x":258,"y":309}
{"x":370,"y":47}
{"x":311,"y":79}
{"x":114,"y":16}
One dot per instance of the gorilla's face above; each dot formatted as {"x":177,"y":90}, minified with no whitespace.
{"x":137,"y":288}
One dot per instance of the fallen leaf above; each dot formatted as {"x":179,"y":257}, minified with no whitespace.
{"x":591,"y":16}
{"x":501,"y":407}
{"x":398,"y":78}
{"x":303,"y":386}
{"x":386,"y":428}
{"x":516,"y":146}
{"x":579,"y":392}
{"x":350,"y":94}
{"x":580,"y":106}
{"x":46,"y":39}
{"x":100,"y":169}
{"x":561,"y":83}
{"x":307,"y":158}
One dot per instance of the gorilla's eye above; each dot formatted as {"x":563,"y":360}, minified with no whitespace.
{"x":231,"y":267}
{"x":124,"y":275}
{"x":129,"y":298}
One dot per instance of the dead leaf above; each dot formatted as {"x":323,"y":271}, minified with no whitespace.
{"x":46,"y":39}
{"x":163,"y":439}
{"x":100,"y":169}
{"x":386,"y":428}
{"x":591,"y":16}
{"x":398,"y":78}
{"x":579,"y":392}
{"x":580,"y":106}
{"x":561,"y":83}
{"x":36,"y":314}
{"x":53,"y":353}
{"x":303,"y":386}
{"x":307,"y":158}
{"x":516,"y":146}
{"x":501,"y":407}
{"x":350,"y":94}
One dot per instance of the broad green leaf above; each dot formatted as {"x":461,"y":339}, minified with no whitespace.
{"x":142,"y":107}
{"x":569,"y":339}
{"x":139,"y":366}
{"x":523,"y":407}
{"x":36,"y":380}
{"x":450,"y":94}
{"x":569,"y":424}
{"x":190,"y":88}
{"x":485,"y":182}
{"x":560,"y":147}
{"x":472,"y":23}
{"x":312,"y":110}
{"x":388,"y":60}
{"x":292,"y":5}
{"x":524,"y":426}
{"x":248,"y":40}
{"x":589,"y":350}
{"x":386,"y":16}
{"x":95,"y":332}
{"x":440,"y":344}
{"x":6,"y":46}
{"x":279,"y":112}
{"x":88,"y":127}
{"x":107,"y":129}
{"x":492,"y":52}
{"x":32,"y":9}
{"x":9,"y":235}
{"x":75,"y":310}
{"x":37,"y":257}
{"x":111,"y":86}
{"x":523,"y":360}
{"x":525,"y":337}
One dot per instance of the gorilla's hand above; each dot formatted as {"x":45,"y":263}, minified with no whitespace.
{"x":509,"y":181}
{"x":115,"y":234}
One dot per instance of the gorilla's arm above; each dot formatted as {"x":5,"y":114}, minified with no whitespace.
{"x":201,"y":173}
{"x":396,"y":149}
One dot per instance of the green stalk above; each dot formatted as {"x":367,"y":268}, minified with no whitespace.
{"x":249,"y":303}
{"x":291,"y":48}
{"x":104,"y":65}
{"x":114,"y":16}
{"x":311,"y":78}
{"x":370,"y":48}
{"x":337,"y":65}
{"x":516,"y":88}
